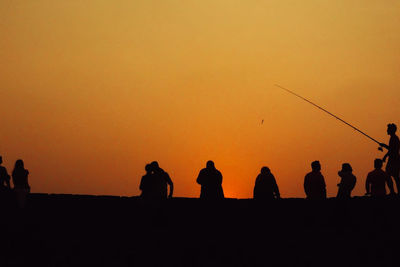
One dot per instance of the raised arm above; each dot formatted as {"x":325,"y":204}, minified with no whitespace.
{"x":384,"y":145}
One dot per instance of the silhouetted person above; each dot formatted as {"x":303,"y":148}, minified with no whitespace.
{"x":376,"y":180}
{"x":314,"y":183}
{"x":347,"y":182}
{"x":266,"y":187}
{"x":159,"y":183}
{"x":4,"y":178}
{"x":146,"y":183}
{"x":393,"y":165}
{"x":210,"y":180}
{"x":20,"y":181}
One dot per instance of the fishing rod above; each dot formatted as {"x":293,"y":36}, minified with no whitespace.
{"x":333,"y":115}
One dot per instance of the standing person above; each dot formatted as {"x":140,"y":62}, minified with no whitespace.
{"x":146,"y":182}
{"x":20,"y":180}
{"x":266,"y":187}
{"x":210,"y":180}
{"x":347,"y":183}
{"x":159,"y":183}
{"x":393,"y":165}
{"x":376,"y":180}
{"x":314,"y":183}
{"x":4,"y":178}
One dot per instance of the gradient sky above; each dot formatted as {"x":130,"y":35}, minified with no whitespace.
{"x":91,"y":91}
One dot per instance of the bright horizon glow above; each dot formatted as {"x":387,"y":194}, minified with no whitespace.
{"x":93,"y":90}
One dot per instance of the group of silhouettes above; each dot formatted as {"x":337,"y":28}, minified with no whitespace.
{"x":19,"y":179}
{"x":155,"y":182}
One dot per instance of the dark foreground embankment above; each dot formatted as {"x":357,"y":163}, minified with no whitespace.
{"x":68,"y":230}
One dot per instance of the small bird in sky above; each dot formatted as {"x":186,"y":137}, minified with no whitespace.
{"x":262,"y":121}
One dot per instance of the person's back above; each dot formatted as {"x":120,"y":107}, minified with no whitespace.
{"x":4,"y":178}
{"x":393,"y":165}
{"x":377,"y":180}
{"x":210,"y":180}
{"x":20,"y":179}
{"x":347,"y":183}
{"x":314,"y":183}
{"x":265,"y":187}
{"x":146,"y":183}
{"x":159,"y":183}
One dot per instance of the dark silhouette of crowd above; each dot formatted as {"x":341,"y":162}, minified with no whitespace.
{"x":21,"y":187}
{"x":155,"y":183}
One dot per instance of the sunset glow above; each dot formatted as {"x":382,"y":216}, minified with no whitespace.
{"x":91,"y":91}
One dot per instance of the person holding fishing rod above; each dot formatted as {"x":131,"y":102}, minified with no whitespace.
{"x":393,"y":164}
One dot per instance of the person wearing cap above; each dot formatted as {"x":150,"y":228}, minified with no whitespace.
{"x":266,"y":187}
{"x":210,"y":180}
{"x":393,"y":165}
{"x":376,"y":181}
{"x":347,"y":182}
{"x":314,"y":183}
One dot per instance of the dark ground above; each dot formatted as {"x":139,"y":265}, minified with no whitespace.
{"x":72,"y":230}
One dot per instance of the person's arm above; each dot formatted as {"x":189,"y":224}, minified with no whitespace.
{"x":142,"y":184}
{"x":385,"y":157}
{"x":306,"y":185}
{"x":368,"y":185}
{"x":27,"y":182}
{"x":276,"y":189}
{"x":171,"y":185}
{"x":7,"y":178}
{"x":384,"y":145}
{"x":255,"y":188}
{"x":323,"y":186}
{"x":219,"y":178}
{"x":199,"y":179}
{"x":389,"y":183}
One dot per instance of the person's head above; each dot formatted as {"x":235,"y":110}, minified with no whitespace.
{"x":210,"y":164}
{"x":316,"y":166}
{"x":19,"y":164}
{"x":378,"y":164}
{"x":154,"y":166}
{"x":346,"y":167}
{"x":148,"y":168}
{"x":265,"y":170}
{"x":391,"y":128}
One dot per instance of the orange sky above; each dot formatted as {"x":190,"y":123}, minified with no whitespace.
{"x":91,"y":91}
